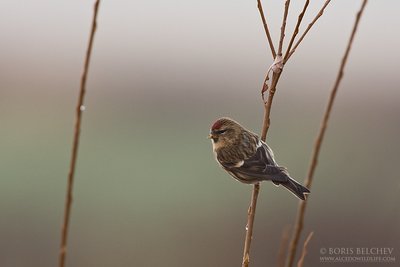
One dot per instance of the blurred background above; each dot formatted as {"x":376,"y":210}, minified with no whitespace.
{"x":148,"y":191}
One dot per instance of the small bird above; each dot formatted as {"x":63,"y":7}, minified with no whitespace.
{"x":247,"y":158}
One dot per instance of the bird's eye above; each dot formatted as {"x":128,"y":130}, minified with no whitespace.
{"x":221,"y":131}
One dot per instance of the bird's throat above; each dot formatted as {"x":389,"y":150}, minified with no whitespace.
{"x":216,"y":145}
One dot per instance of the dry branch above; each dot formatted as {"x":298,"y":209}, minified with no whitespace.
{"x":304,"y":253}
{"x":256,"y":188}
{"x":75,"y":144}
{"x":266,"y":124}
{"x":279,"y":61}
{"x":314,"y":159}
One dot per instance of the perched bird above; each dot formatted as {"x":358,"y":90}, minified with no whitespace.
{"x":247,"y":158}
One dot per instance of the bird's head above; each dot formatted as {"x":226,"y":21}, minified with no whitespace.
{"x":224,"y":132}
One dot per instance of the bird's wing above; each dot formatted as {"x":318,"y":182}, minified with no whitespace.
{"x":261,"y":166}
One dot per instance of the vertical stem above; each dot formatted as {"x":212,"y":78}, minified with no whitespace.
{"x":75,"y":144}
{"x":256,"y":188}
{"x":249,"y":226}
{"x":317,"y":147}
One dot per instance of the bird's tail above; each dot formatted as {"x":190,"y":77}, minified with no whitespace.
{"x":297,"y":189}
{"x":293,"y":186}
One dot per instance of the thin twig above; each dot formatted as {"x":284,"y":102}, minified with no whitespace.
{"x":75,"y":144}
{"x":283,"y":27}
{"x":264,"y":21}
{"x":314,"y":159}
{"x":306,"y":31}
{"x":283,"y":246}
{"x":296,"y":29}
{"x":304,"y":253}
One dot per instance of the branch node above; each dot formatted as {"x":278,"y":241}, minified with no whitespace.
{"x":276,"y":67}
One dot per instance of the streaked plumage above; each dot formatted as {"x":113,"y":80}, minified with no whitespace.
{"x":248,"y":159}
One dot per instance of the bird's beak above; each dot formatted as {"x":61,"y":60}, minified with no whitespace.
{"x":210,"y":136}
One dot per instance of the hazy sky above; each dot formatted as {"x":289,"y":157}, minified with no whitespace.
{"x":174,"y":45}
